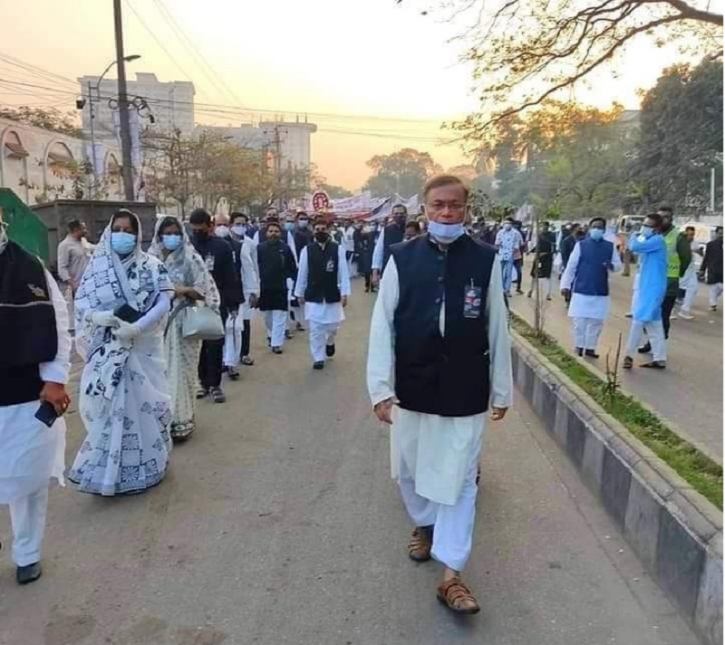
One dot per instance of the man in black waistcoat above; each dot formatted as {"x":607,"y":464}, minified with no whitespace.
{"x":277,"y":270}
{"x":393,"y":233}
{"x":323,"y":285}
{"x":219,"y":258}
{"x":439,"y":354}
{"x":34,"y":363}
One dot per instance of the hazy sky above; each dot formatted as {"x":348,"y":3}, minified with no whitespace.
{"x":355,"y":59}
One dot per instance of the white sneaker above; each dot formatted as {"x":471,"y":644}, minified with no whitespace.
{"x":685,"y":316}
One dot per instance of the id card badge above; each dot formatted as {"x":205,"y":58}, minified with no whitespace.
{"x":472,"y":302}
{"x":330,"y":268}
{"x":209,"y":260}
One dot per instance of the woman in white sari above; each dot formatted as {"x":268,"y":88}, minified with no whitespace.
{"x":192,"y":282}
{"x":124,"y":297}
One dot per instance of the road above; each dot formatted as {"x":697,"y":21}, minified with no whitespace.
{"x":278,"y":523}
{"x":689,"y":393}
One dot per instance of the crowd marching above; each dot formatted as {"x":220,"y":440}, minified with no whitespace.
{"x":158,"y":328}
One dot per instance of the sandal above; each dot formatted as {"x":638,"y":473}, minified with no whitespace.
{"x":455,"y":595}
{"x":421,"y":543}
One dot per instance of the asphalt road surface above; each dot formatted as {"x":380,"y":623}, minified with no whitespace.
{"x":278,"y":523}
{"x":688,"y":394}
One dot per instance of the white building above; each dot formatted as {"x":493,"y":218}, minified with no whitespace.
{"x":40,"y":165}
{"x":171,"y":104}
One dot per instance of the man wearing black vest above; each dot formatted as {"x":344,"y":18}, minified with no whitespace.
{"x":393,"y":233}
{"x":439,"y":354}
{"x":34,"y":363}
{"x":323,"y":285}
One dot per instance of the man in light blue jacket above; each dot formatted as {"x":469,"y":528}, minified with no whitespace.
{"x":647,"y":310}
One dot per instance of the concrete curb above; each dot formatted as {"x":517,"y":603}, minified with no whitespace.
{"x":676,"y":532}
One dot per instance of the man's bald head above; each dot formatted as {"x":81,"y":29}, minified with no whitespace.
{"x":221,"y":220}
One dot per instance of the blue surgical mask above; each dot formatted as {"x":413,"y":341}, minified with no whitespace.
{"x":171,"y":242}
{"x":239,"y":230}
{"x":596,"y":234}
{"x":647,"y":231}
{"x":289,"y":226}
{"x":446,"y":233}
{"x":123,"y":243}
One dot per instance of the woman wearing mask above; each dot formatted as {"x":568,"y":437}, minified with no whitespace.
{"x":192,"y":282}
{"x":124,"y":403}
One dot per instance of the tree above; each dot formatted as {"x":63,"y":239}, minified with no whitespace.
{"x":334,"y":192}
{"x":527,"y":51}
{"x":403,"y":172}
{"x":681,"y":136}
{"x":54,"y":120}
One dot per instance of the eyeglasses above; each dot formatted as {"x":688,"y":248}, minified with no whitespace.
{"x":439,"y":207}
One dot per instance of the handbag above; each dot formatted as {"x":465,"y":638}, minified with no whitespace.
{"x":202,"y":323}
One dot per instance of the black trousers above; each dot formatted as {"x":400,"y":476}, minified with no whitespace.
{"x":519,"y":264}
{"x":668,"y":304}
{"x":246,"y":338}
{"x":211,"y":358}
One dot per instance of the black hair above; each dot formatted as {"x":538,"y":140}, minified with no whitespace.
{"x":598,"y":219}
{"x":403,"y":206}
{"x":273,"y":223}
{"x":414,"y":225}
{"x":166,"y":222}
{"x":509,"y":219}
{"x":75,"y":225}
{"x":236,"y":215}
{"x":665,"y":209}
{"x":199,"y":216}
{"x":656,"y":218}
{"x":689,"y":228}
{"x":124,"y":213}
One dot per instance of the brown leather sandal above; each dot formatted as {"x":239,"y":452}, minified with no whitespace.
{"x":421,"y":543}
{"x":455,"y":595}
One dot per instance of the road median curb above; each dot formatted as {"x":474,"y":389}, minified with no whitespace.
{"x":675,"y":531}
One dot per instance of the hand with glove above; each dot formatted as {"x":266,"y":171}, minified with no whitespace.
{"x":105,"y":319}
{"x":126,"y":331}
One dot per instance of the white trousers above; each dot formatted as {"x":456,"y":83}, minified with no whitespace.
{"x":233,"y":339}
{"x":587,"y":332}
{"x":321,"y":335}
{"x":452,"y":525}
{"x":656,"y":335}
{"x":689,"y":300}
{"x":298,"y":314}
{"x":276,"y":323}
{"x":715,"y":293}
{"x":27,"y":516}
{"x":547,"y":286}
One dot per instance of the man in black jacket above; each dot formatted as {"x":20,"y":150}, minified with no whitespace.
{"x":711,"y":268}
{"x":218,"y":255}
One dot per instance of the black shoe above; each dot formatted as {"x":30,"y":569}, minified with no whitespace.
{"x":548,"y":298}
{"x":330,"y":350}
{"x":225,"y":369}
{"x":713,"y":308}
{"x":645,"y":349}
{"x":629,"y":315}
{"x":591,"y":353}
{"x":276,"y":350}
{"x":29,"y":573}
{"x":528,"y":295}
{"x":217,"y":395}
{"x":318,"y":365}
{"x":580,"y":351}
{"x":521,"y":293}
{"x":269,"y":341}
{"x":288,"y":334}
{"x":300,"y":327}
{"x":233,"y":373}
{"x":654,"y":365}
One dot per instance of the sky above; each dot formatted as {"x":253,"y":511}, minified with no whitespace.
{"x":375,"y":76}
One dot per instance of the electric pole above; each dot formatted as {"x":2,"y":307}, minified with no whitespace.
{"x":127,"y":168}
{"x":277,"y":142}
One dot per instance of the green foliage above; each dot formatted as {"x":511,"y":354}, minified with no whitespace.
{"x":682,"y":136}
{"x":403,"y":172}
{"x":705,"y":475}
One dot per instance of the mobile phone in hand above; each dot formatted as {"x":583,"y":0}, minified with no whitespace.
{"x":46,"y":414}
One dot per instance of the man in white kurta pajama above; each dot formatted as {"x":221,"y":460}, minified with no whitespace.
{"x":323,"y":286}
{"x":586,"y":280}
{"x":435,"y":457}
{"x":30,"y":452}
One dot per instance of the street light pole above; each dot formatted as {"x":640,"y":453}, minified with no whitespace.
{"x":93,"y":136}
{"x":123,"y":106}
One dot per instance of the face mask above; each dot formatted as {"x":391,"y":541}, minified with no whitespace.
{"x":507,"y":227}
{"x":647,"y":231}
{"x":322,"y":237}
{"x":289,"y":226}
{"x":171,"y":242}
{"x":123,"y":243}
{"x":221,"y":231}
{"x":596,"y":234}
{"x":239,"y":230}
{"x":446,"y":233}
{"x":302,"y":223}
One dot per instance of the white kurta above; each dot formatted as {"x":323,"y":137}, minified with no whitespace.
{"x":30,"y":452}
{"x":581,"y":305}
{"x":437,"y":450}
{"x":324,"y":312}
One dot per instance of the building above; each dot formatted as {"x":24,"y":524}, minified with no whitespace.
{"x":41,"y":165}
{"x":171,"y":104}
